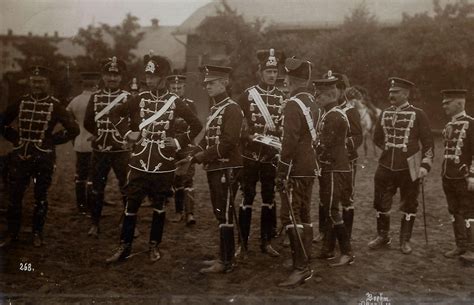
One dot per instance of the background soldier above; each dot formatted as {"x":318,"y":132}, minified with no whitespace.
{"x":34,"y":149}
{"x":297,"y":168}
{"x":82,"y":145}
{"x":282,"y":86}
{"x":183,"y":184}
{"x":219,"y":151}
{"x":109,"y":148}
{"x":262,"y":107}
{"x":458,"y":172}
{"x":335,"y":179}
{"x":398,"y":132}
{"x":150,"y":124}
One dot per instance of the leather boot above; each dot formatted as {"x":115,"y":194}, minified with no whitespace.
{"x":227,"y":247}
{"x":39,"y":216}
{"x":37,"y":239}
{"x":383,"y":227}
{"x":179,"y":200}
{"x":308,"y":239}
{"x":120,"y":254}
{"x":468,"y":256}
{"x":301,"y":269}
{"x":329,"y":243}
{"x":266,"y":231}
{"x":157,"y":227}
{"x":81,"y":196}
{"x":348,"y":218}
{"x":344,"y":245}
{"x":189,"y":206}
{"x":155,"y":254}
{"x":406,"y":228}
{"x":460,"y":236}
{"x":245,"y":219}
{"x":321,"y":225}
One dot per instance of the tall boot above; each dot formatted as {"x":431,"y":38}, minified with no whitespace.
{"x":321,"y":225}
{"x":344,"y":245}
{"x":383,"y":228}
{"x":274,"y":220}
{"x":126,"y":240}
{"x":179,"y":205}
{"x":301,"y":269}
{"x":226,"y":248}
{"x":266,"y":230}
{"x":245,"y":219}
{"x":468,"y":256}
{"x":81,"y":196}
{"x":14,"y":212}
{"x":308,"y":239}
{"x":156,"y":234}
{"x":348,"y":218}
{"x":460,"y":236}
{"x":189,"y":206}
{"x":406,"y":228}
{"x":39,"y":217}
{"x":329,"y":243}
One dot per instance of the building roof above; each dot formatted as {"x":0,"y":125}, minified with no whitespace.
{"x":308,"y":14}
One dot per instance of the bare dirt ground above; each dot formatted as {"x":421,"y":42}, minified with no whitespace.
{"x":70,"y":269}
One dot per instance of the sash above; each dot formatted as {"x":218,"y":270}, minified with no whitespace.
{"x":216,"y":113}
{"x":158,"y":114}
{"x":309,"y":120}
{"x":110,"y":106}
{"x":263,"y":108}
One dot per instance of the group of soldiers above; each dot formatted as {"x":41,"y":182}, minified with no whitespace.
{"x":281,"y":136}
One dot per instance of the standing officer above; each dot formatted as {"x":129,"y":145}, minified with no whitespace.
{"x":219,"y":151}
{"x":33,"y":155}
{"x":335,"y":180}
{"x":398,"y":132}
{"x":183,"y":183}
{"x":297,"y":168}
{"x":82,"y":144}
{"x":150,"y":124}
{"x":262,"y":107}
{"x":109,"y":148}
{"x":458,"y":171}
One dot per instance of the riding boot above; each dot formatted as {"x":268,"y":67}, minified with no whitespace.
{"x":321,"y":225}
{"x":460,"y":236}
{"x":189,"y":206}
{"x":344,"y":245}
{"x":406,"y":229}
{"x":468,"y":256}
{"x":348,"y":218}
{"x":245,"y":219}
{"x":383,"y":228}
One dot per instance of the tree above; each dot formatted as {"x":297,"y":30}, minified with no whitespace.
{"x":95,"y":46}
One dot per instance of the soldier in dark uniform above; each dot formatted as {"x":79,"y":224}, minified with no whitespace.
{"x":353,"y":141}
{"x":335,"y":180}
{"x":183,"y":183}
{"x":282,"y":85}
{"x":458,"y":172}
{"x":33,"y":154}
{"x":151,"y":126}
{"x":219,"y":151}
{"x":398,"y":132}
{"x":262,"y":107}
{"x":82,"y":145}
{"x":109,"y":148}
{"x":297,"y":168}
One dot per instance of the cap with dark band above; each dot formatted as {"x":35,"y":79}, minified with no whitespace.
{"x":343,"y":80}
{"x":212,"y":73}
{"x":269,"y":59}
{"x":454,"y":93}
{"x":298,"y":68}
{"x":113,"y":65}
{"x":397,"y":83}
{"x":176,"y":79}
{"x":40,"y":71}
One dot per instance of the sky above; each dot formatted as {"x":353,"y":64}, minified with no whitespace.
{"x":67,"y":16}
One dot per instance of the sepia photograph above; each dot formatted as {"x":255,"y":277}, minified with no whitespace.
{"x":243,"y":152}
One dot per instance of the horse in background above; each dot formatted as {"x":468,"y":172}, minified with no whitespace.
{"x":369,"y":115}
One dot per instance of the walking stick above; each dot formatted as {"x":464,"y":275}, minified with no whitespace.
{"x":422,"y":182}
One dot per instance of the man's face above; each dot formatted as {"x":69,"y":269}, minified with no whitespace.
{"x":269,"y":76}
{"x":452,"y":106}
{"x":398,"y":97}
{"x":215,"y":87}
{"x":39,"y":84}
{"x":177,"y":88}
{"x":325,"y":97}
{"x":112,"y":80}
{"x":152,"y":81}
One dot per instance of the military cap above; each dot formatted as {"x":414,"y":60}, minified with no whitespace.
{"x":38,"y":70}
{"x":343,"y":80}
{"x":134,"y":84}
{"x":454,"y":93}
{"x":324,"y":84}
{"x":298,"y":68}
{"x":397,"y":83}
{"x":90,"y":75}
{"x":176,"y":79}
{"x":269,"y":59}
{"x":215,"y":72}
{"x":157,"y":65}
{"x":113,"y":65}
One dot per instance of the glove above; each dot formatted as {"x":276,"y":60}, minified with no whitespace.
{"x":198,"y":157}
{"x":470,"y":184}
{"x":422,"y":173}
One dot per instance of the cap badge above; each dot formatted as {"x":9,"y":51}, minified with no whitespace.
{"x":113,"y":65}
{"x":271,"y":59}
{"x":150,"y":67}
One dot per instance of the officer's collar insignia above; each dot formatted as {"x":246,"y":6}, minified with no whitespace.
{"x":272,"y":61}
{"x":36,"y":71}
{"x":113,"y":65}
{"x":150,"y":67}
{"x":176,"y":78}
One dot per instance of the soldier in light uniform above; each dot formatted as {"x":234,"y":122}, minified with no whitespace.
{"x":150,"y":123}
{"x":262,"y":107}
{"x":335,"y":180}
{"x":458,"y":172}
{"x":33,"y":155}
{"x":398,"y":132}
{"x":109,"y":148}
{"x":183,"y":183}
{"x":82,"y":144}
{"x":297,"y":168}
{"x":219,"y":152}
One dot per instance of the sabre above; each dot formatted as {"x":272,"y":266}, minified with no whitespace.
{"x":422,"y":183}
{"x":230,"y":177}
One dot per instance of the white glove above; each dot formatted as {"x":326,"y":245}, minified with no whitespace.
{"x":422,"y":173}
{"x":470,"y":183}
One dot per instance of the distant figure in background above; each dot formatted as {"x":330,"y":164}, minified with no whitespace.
{"x":82,"y":144}
{"x":183,"y":183}
{"x":282,"y":85}
{"x":369,"y":115}
{"x":134,"y":88}
{"x":33,"y":157}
